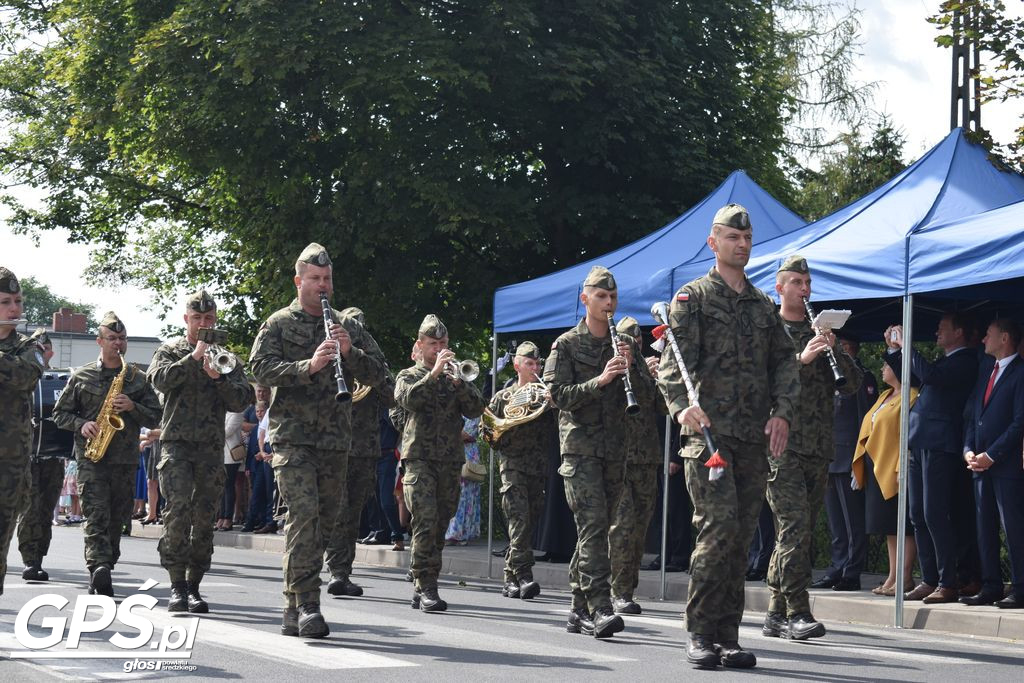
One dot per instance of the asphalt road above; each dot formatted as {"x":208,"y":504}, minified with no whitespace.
{"x":483,"y":636}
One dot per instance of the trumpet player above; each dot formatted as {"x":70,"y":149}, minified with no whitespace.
{"x":106,"y":486}
{"x":198,"y":389}
{"x":299,"y":354}
{"x":522,"y":455}
{"x":435,"y":396}
{"x":21,"y":365}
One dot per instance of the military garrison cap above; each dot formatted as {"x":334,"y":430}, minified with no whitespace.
{"x":314,"y":254}
{"x":795,"y":263}
{"x":8,"y":282}
{"x":732,"y":216}
{"x":628,"y":325}
{"x":599,"y":276}
{"x":433,"y":327}
{"x":353,"y":312}
{"x":528,"y":350}
{"x":112,"y":322}
{"x":201,"y":302}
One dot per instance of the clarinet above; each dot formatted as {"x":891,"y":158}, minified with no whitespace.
{"x":829,"y":353}
{"x":632,"y":407}
{"x":343,"y":393}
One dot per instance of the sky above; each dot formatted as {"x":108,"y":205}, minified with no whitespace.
{"x":898,"y":52}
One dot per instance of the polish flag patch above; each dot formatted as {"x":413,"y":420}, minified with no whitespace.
{"x":682,"y":296}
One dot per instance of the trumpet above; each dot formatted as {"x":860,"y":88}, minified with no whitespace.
{"x":220,"y":359}
{"x":466,"y":370}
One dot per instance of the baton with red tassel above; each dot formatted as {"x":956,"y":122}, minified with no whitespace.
{"x":715,"y":463}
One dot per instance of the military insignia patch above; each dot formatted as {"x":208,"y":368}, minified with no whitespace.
{"x":321,"y":258}
{"x":682,"y":296}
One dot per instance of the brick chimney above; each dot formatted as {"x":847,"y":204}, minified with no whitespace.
{"x":66,"y":320}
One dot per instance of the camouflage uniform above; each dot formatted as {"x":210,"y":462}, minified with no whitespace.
{"x":432,"y":455}
{"x":796,"y":485}
{"x":106,"y":487}
{"x":592,"y":434}
{"x":21,"y":364}
{"x":191,"y":467}
{"x":362,"y":471}
{"x":311,"y":433}
{"x":741,"y":361}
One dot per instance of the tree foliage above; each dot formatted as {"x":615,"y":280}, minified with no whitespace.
{"x":41,"y":303}
{"x":439,"y":148}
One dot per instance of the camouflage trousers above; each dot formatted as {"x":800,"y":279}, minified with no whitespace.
{"x":191,"y":479}
{"x":796,"y":489}
{"x":36,"y":526}
{"x":312,"y":484}
{"x":431,"y":490}
{"x":592,"y":489}
{"x":522,"y":501}
{"x":107,"y":492}
{"x":14,"y":483}
{"x":341,"y":547}
{"x":629,"y":526}
{"x":725,"y":514}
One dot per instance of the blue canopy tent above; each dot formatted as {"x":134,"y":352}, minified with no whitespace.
{"x":552,"y":301}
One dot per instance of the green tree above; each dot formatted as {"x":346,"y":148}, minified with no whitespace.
{"x":41,"y":303}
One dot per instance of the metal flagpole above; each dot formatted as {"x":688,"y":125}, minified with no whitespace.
{"x":901,"y":524}
{"x":664,"y":502}
{"x":490,"y":459}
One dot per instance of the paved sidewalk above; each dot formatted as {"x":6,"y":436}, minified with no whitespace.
{"x":471,"y":561}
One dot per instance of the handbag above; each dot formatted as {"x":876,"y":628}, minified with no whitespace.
{"x":474,"y":471}
{"x":239,"y":452}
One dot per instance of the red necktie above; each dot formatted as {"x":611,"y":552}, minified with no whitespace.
{"x":991,"y":383}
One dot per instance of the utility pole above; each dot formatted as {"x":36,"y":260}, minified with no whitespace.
{"x":965,"y":106}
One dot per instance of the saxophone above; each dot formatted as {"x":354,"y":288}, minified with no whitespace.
{"x":109,"y":422}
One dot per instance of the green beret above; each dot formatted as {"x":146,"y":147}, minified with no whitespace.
{"x":433,"y":327}
{"x":8,"y":282}
{"x":201,"y":302}
{"x":112,"y":322}
{"x":314,"y":254}
{"x":353,"y":312}
{"x":795,"y":263}
{"x":599,"y":276}
{"x":628,"y":325}
{"x":732,"y":216}
{"x":528,"y":350}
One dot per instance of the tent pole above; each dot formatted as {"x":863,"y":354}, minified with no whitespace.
{"x":901,"y":524}
{"x":490,"y":459}
{"x":664,"y":502}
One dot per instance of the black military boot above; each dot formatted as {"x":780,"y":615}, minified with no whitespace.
{"x":735,"y":657}
{"x":700,"y":650}
{"x":290,"y":621}
{"x":606,"y":623}
{"x":311,"y":622}
{"x":528,"y":588}
{"x":196,"y":604}
{"x":510,"y":589}
{"x":100,"y":583}
{"x":33,"y":572}
{"x":774,"y":625}
{"x":803,"y":626}
{"x":341,"y":585}
{"x":580,"y":621}
{"x":626,"y":605}
{"x":430,"y":601}
{"x":178,"y":601}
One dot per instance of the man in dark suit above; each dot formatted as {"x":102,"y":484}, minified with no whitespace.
{"x":992,"y":450}
{"x":936,"y":429}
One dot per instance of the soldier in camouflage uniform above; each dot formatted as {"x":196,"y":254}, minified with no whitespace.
{"x":522,"y":456}
{"x":583,"y":373}
{"x":310,"y":430}
{"x":107,"y":487}
{"x":796,"y":486}
{"x":361,"y":478}
{"x":191,"y":468}
{"x":644,"y":459}
{"x":21,"y":365}
{"x":432,"y":453}
{"x":741,"y":361}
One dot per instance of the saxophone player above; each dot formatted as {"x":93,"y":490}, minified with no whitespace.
{"x":106,"y":486}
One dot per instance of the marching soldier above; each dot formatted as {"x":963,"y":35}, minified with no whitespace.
{"x":742,"y":364}
{"x":432,"y":452}
{"x":197,"y":395}
{"x":21,"y":365}
{"x":106,"y":487}
{"x":640,"y":493}
{"x":582,"y":372}
{"x":522,"y":456}
{"x":310,"y":430}
{"x":361,"y":478}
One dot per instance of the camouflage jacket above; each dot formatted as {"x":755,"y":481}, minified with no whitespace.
{"x":645,"y":445}
{"x":434,"y":410}
{"x":302,"y":409}
{"x":810,"y":431}
{"x":592,"y":420}
{"x":194,"y":403}
{"x":83,"y":398}
{"x":525,"y":448}
{"x":366,"y":420}
{"x":21,"y":366}
{"x":738,"y":354}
